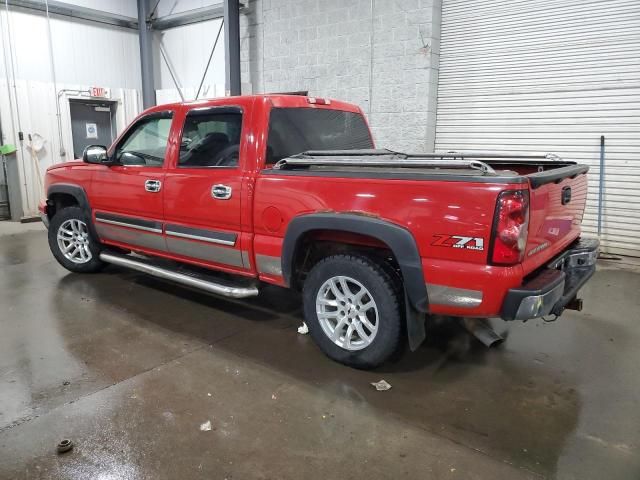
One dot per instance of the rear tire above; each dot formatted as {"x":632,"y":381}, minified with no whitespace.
{"x":71,"y":241}
{"x":353,"y":310}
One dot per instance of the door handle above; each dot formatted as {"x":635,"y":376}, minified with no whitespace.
{"x":152,"y":185}
{"x":221,"y":192}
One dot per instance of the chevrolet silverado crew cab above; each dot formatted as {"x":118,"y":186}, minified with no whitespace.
{"x":227,"y":195}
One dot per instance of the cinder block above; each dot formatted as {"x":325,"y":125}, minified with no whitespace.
{"x":324,"y":46}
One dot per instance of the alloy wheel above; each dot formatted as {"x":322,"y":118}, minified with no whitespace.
{"x":347,"y":313}
{"x":73,"y":241}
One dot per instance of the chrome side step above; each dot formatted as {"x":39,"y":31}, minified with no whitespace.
{"x":190,"y":280}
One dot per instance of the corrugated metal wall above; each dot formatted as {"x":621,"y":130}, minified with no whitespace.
{"x":549,"y":76}
{"x":84,"y":52}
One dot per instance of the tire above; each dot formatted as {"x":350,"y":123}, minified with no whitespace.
{"x":72,"y":223}
{"x":324,"y":310}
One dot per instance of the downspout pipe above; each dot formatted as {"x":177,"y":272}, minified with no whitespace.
{"x":18,"y":123}
{"x":52,"y":65}
{"x":232,"y":46}
{"x":146,"y":55}
{"x":4,"y":174}
{"x":601,"y":186}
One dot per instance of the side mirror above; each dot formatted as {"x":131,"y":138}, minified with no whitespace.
{"x":95,"y":154}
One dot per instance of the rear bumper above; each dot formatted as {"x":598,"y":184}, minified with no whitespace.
{"x":551,"y":290}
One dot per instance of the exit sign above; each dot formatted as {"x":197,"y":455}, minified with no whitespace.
{"x":100,"y":92}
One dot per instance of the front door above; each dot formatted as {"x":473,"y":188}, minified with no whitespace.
{"x":203,"y":190}
{"x":127,"y":198}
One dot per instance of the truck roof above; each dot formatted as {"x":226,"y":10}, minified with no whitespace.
{"x":280,"y":100}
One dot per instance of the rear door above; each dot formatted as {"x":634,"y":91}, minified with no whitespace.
{"x":127,"y":198}
{"x":204,"y":189}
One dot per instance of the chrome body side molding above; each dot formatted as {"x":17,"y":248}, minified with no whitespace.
{"x":201,"y":234}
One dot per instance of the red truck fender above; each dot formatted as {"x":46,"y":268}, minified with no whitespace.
{"x":399,"y":240}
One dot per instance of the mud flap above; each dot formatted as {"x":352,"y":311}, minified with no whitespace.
{"x":416,"y":331}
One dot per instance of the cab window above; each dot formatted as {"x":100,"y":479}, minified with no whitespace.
{"x":146,"y":143}
{"x":297,"y":130}
{"x":211,"y":138}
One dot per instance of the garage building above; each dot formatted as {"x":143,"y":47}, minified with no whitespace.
{"x":550,"y":77}
{"x":121,"y":375}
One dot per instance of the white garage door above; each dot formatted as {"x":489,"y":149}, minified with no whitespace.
{"x":550,"y":76}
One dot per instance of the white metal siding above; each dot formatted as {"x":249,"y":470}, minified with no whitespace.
{"x":83,"y":52}
{"x":188,"y":48}
{"x":549,"y":76}
{"x":37,"y":106}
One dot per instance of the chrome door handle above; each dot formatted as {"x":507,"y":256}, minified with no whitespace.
{"x":221,"y":192}
{"x":152,"y":185}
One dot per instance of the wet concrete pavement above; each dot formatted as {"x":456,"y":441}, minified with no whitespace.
{"x":130,"y":368}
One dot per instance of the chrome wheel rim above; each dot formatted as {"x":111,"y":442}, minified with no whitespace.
{"x":73,"y":241}
{"x":347,"y":313}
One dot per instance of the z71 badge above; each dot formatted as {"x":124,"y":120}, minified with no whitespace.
{"x":458,"y":241}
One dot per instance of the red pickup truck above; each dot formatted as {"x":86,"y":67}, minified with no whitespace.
{"x":228,"y":194}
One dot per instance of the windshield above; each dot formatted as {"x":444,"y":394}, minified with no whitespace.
{"x":296,"y":130}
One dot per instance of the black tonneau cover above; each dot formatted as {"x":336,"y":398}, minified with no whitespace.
{"x":461,"y":165}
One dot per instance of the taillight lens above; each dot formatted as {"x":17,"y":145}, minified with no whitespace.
{"x":510,"y":227}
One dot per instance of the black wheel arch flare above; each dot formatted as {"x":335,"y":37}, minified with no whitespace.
{"x":400,"y":241}
{"x":80,"y":195}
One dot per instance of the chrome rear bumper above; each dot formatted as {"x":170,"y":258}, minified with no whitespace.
{"x":551,"y":290}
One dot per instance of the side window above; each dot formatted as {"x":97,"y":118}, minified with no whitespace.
{"x":146,"y":143}
{"x":211,"y":139}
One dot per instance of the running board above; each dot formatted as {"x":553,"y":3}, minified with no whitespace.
{"x":192,"y":280}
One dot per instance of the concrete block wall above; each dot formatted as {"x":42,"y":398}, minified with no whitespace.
{"x":381,"y":54}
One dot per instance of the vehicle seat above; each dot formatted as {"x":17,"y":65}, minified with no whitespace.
{"x":206,"y":149}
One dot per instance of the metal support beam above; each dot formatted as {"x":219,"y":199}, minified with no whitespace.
{"x":146,"y":55}
{"x":232,"y":46}
{"x":75,"y":11}
{"x":213,"y":49}
{"x":171,"y":71}
{"x":190,"y":16}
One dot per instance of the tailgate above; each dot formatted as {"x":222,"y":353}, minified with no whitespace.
{"x":557,"y":202}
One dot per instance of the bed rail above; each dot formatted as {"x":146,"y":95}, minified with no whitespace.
{"x":389,"y":158}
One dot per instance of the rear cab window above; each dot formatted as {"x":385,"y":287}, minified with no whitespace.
{"x":296,"y":130}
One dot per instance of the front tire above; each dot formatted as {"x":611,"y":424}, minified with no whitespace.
{"x":72,"y":243}
{"x":353,"y":310}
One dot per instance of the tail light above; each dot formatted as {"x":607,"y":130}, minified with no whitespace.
{"x":510,"y":227}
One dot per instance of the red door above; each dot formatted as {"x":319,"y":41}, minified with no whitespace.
{"x":127,"y":198}
{"x":203,"y":190}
